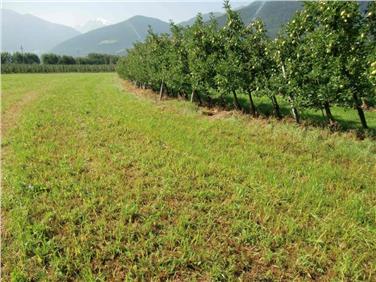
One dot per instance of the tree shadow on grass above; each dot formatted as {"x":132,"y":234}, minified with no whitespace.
{"x":264,"y":108}
{"x":308,"y":118}
{"x":318,"y":120}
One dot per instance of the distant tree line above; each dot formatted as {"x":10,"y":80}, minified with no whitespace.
{"x":54,"y":59}
{"x":30,"y":63}
{"x":19,"y":58}
{"x":44,"y":68}
{"x":91,"y":59}
{"x":324,"y":56}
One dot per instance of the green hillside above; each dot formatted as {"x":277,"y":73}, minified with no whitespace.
{"x":113,"y":39}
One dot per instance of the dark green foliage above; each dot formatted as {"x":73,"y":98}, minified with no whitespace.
{"x":25,"y":58}
{"x":31,"y":58}
{"x":231,"y":56}
{"x":30,"y":63}
{"x":6,"y":58}
{"x":324,"y":57}
{"x":336,"y":56}
{"x":202,"y":48}
{"x":97,"y":59}
{"x":18,"y":58}
{"x":371,"y":26}
{"x":67,"y":60}
{"x":263,"y":70}
{"x":91,"y":59}
{"x":50,"y":59}
{"x":179,"y":79}
{"x":371,"y":18}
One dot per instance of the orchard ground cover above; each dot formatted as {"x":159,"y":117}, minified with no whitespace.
{"x":100,"y":184}
{"x":347,"y":119}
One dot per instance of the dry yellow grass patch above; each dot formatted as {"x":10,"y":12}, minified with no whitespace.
{"x":10,"y":117}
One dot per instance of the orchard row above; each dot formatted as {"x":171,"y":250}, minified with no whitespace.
{"x":324,"y":56}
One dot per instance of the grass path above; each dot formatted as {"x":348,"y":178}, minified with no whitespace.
{"x":100,"y":184}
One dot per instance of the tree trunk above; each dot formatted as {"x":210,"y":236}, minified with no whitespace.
{"x":166,"y":90}
{"x":252,"y":107}
{"x":322,"y":113}
{"x":182,"y":95}
{"x":295,"y":114}
{"x":329,"y":113}
{"x":277,"y":110}
{"x":199,"y":99}
{"x":294,"y":111}
{"x":222,"y":101}
{"x":365,"y":104}
{"x":236,"y":101}
{"x":192,"y":95}
{"x":161,"y":91}
{"x":358,"y":105}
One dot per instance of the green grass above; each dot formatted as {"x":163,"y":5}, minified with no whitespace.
{"x":347,"y":118}
{"x":100,"y":184}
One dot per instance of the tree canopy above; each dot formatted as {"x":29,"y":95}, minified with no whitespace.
{"x":324,"y":56}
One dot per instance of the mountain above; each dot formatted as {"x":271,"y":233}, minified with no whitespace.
{"x":30,"y":32}
{"x":112,"y":39}
{"x":116,"y":38}
{"x":92,"y":24}
{"x":205,"y":17}
{"x":273,"y":13}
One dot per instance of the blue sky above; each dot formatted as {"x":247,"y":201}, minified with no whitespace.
{"x":74,"y":13}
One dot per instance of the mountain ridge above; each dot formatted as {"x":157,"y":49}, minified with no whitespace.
{"x":273,"y":13}
{"x":32,"y":33}
{"x":116,"y":38}
{"x":111,"y":39}
{"x":92,"y":24}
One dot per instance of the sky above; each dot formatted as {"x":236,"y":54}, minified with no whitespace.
{"x":76,"y":13}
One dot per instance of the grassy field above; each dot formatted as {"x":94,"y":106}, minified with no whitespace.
{"x":103,"y":185}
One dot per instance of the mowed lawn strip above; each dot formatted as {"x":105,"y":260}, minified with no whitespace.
{"x":101,"y":184}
